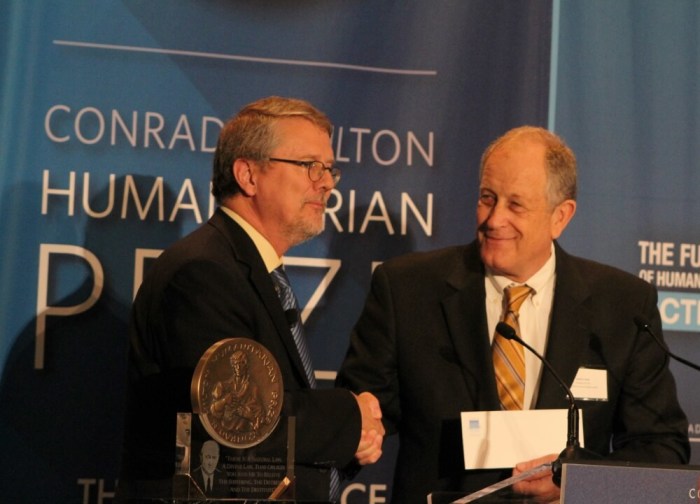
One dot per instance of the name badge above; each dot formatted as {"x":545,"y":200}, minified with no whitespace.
{"x":590,"y":384}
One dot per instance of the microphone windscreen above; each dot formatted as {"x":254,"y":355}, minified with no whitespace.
{"x":641,"y":322}
{"x":505,"y":330}
{"x":292,"y":316}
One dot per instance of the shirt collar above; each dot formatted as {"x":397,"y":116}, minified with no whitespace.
{"x":538,"y":281}
{"x":265,"y":248}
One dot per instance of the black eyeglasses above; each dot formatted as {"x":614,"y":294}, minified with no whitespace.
{"x":315,"y":169}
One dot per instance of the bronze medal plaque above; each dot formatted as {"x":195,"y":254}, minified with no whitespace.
{"x":237,"y":392}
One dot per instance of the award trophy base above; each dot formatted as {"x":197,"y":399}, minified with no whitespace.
{"x":207,"y":469}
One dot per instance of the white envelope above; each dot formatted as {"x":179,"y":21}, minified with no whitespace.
{"x":501,"y":439}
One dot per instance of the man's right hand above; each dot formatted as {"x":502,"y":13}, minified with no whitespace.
{"x":370,"y":447}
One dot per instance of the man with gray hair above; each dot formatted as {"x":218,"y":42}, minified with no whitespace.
{"x":272,"y":177}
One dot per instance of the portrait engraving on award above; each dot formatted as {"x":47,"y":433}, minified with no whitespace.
{"x":245,"y":445}
{"x":237,"y":391}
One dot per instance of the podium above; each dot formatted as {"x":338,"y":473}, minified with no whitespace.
{"x":600,"y":482}
{"x":627,"y":483}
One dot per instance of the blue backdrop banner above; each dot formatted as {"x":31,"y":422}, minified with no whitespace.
{"x":109,"y":113}
{"x":627,"y":103}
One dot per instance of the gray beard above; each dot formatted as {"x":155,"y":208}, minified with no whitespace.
{"x":300,"y":232}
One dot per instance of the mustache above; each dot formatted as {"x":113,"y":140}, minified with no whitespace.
{"x":323,"y":200}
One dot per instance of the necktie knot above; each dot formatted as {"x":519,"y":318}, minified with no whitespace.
{"x":515,"y":296}
{"x":284,"y":288}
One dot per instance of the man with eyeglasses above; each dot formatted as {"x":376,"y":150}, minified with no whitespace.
{"x":272,"y":176}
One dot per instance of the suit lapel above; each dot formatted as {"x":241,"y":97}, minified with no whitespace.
{"x":245,"y":252}
{"x":569,"y":332}
{"x":468,"y":330}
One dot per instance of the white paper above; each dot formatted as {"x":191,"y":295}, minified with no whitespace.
{"x":501,"y":439}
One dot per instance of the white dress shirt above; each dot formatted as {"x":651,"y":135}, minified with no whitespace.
{"x":534,"y":318}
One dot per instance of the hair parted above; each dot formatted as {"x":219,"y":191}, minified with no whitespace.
{"x":251,"y":134}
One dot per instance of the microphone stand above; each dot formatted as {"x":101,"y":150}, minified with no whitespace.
{"x":644,"y":325}
{"x":573,"y":450}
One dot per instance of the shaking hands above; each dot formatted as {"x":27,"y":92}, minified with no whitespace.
{"x":370,"y":448}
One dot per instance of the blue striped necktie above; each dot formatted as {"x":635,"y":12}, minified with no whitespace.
{"x":289,"y":302}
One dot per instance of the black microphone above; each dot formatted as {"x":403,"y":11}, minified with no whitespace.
{"x":292,"y":316}
{"x":644,"y":325}
{"x":573,"y":450}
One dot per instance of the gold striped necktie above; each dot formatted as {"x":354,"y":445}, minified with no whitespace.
{"x":509,"y":356}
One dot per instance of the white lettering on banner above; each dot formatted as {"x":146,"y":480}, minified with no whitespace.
{"x":100,"y":495}
{"x":141,"y":255}
{"x":386,"y":147}
{"x":377,"y":212}
{"x":90,"y":126}
{"x":144,"y":201}
{"x":46,"y":191}
{"x":86,"y":196}
{"x":664,"y":254}
{"x":690,"y":255}
{"x":377,"y":493}
{"x":43,"y":309}
{"x":332,"y":266}
{"x":677,"y":275}
{"x":678,"y":279}
{"x":148,"y":129}
{"x":657,"y":253}
{"x":186,"y":199}
{"x":680,"y":311}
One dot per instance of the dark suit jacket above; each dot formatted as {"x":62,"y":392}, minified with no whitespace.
{"x":422,"y":346}
{"x":218,"y":489}
{"x":212,"y":285}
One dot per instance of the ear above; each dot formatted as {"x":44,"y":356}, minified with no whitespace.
{"x":562,"y":215}
{"x":245,"y":172}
